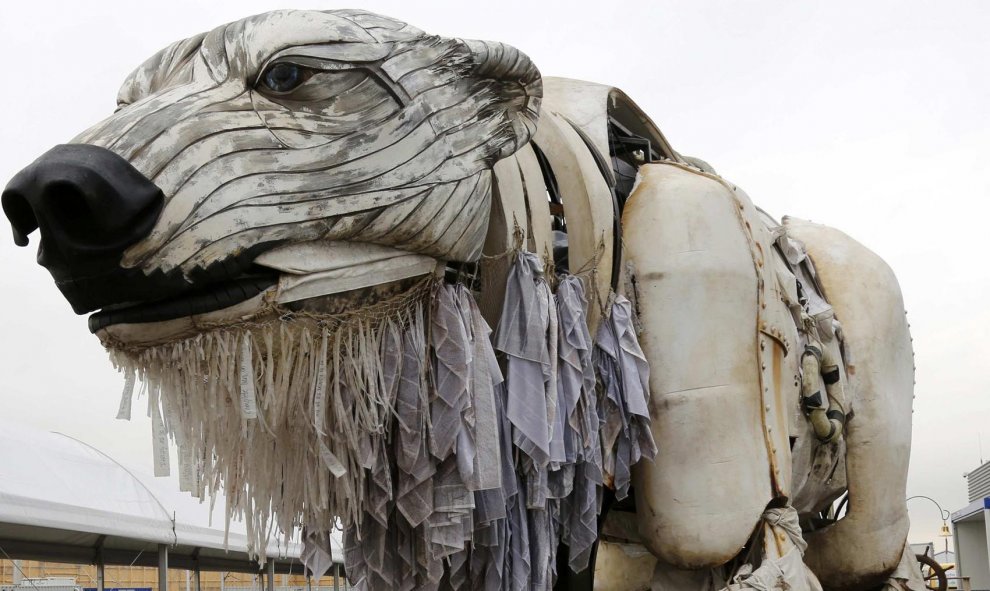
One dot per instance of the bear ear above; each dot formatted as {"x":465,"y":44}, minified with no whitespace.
{"x":165,"y":68}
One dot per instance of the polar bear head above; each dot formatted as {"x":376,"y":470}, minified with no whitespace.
{"x":281,"y":129}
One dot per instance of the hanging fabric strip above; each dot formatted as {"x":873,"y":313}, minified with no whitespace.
{"x":522,"y":337}
{"x":625,"y":377}
{"x":397,"y":424}
{"x":124,"y":412}
{"x":579,"y":409}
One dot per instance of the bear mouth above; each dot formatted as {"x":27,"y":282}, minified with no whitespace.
{"x":320,"y":277}
{"x":202,"y":301}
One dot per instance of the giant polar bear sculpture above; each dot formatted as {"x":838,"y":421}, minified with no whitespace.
{"x":324,"y":161}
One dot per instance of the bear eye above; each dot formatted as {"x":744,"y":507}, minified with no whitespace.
{"x":284,"y":76}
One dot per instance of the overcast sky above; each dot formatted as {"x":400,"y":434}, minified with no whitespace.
{"x":867,"y":116}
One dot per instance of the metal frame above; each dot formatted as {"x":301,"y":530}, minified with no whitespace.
{"x":162,"y":567}
{"x":100,"y":565}
{"x":101,"y":556}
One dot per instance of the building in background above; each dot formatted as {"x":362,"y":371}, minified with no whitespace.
{"x":971,"y":538}
{"x":22,"y":573}
{"x":74,"y":507}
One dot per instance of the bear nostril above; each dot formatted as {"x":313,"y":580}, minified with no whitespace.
{"x":67,"y":206}
{"x":72,"y":207}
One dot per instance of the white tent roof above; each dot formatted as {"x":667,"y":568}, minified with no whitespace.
{"x":60,"y":494}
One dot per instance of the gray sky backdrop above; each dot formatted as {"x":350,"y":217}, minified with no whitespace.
{"x":868,"y":116}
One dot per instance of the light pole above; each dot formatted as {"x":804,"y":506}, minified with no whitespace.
{"x":944,"y":532}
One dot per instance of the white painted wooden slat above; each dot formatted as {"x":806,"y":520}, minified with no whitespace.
{"x":587,"y":207}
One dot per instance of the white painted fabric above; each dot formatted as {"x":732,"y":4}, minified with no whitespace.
{"x":391,"y":137}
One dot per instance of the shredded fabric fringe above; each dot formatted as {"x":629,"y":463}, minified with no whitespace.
{"x":450,"y":459}
{"x":285,"y":413}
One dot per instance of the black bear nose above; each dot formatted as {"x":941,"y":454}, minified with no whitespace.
{"x":89,"y":203}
